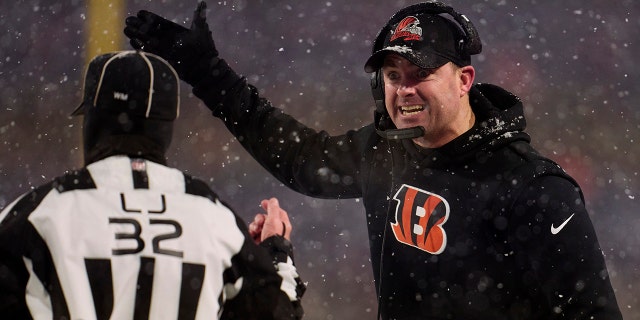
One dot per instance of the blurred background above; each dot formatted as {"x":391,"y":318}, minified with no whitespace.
{"x":572,"y":62}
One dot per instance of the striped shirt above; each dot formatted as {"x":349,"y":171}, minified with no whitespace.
{"x":132,"y":239}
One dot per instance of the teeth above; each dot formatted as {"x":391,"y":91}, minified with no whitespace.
{"x":411,"y":109}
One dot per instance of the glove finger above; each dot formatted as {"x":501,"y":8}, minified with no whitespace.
{"x":147,"y":16}
{"x":132,"y":32}
{"x":200,"y":16}
{"x":137,"y":35}
{"x":133,"y":22}
{"x":149,"y":24}
{"x":137,"y":44}
{"x":136,"y":28}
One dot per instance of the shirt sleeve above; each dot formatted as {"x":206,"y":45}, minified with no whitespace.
{"x":281,"y":252}
{"x":263,"y":282}
{"x":15,"y":232}
{"x":308,"y":161}
{"x":551,"y":225}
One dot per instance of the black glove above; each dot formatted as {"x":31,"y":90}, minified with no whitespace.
{"x":191,"y":52}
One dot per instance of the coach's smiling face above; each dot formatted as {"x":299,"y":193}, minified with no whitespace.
{"x":436,"y":99}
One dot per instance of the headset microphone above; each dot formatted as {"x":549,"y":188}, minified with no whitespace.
{"x":382,"y":120}
{"x":398,"y":134}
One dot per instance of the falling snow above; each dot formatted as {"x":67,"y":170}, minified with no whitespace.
{"x":573,"y":64}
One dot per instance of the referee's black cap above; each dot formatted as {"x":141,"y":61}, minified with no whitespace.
{"x":135,"y":83}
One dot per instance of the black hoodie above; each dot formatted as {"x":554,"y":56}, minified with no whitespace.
{"x":480,"y":228}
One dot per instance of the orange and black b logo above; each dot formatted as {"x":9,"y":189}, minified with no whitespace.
{"x":419,"y":219}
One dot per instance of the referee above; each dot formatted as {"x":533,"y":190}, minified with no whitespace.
{"x":127,"y":237}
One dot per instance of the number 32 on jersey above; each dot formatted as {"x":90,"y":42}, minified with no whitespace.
{"x":174,"y":230}
{"x":144,"y":231}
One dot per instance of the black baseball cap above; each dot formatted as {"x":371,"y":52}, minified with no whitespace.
{"x":427,"y":40}
{"x":140,"y":84}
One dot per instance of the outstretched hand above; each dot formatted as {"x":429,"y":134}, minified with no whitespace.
{"x":274,"y":223}
{"x":185,"y":49}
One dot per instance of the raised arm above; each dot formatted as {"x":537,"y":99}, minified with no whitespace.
{"x":306,"y":160}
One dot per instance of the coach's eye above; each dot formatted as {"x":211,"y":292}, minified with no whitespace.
{"x":392,"y":75}
{"x":423,"y":74}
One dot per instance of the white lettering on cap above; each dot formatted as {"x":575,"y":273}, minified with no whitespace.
{"x":120,"y":96}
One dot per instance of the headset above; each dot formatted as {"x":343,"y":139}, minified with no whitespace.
{"x":469,"y":45}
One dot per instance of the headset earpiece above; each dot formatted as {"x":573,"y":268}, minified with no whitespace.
{"x":377,"y":90}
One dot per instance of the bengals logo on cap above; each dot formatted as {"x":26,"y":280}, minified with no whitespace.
{"x":419,"y":219}
{"x":408,"y":29}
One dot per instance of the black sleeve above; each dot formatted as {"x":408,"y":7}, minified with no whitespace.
{"x":262,"y":282}
{"x":551,"y":224}
{"x":15,"y":235}
{"x":308,"y":161}
{"x":13,"y":274}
